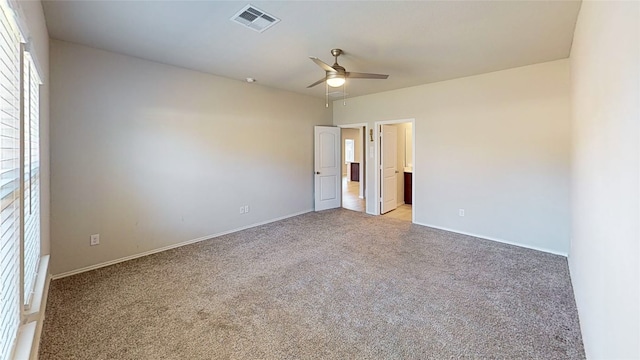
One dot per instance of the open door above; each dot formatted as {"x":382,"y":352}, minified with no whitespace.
{"x":327,"y":177}
{"x":388,"y":168}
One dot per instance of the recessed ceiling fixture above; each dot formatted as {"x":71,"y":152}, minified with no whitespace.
{"x":250,"y":80}
{"x":254,"y":19}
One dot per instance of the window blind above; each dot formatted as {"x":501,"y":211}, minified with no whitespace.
{"x":9,"y":182}
{"x":31,"y":83}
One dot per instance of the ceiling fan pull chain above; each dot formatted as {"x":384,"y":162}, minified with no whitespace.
{"x":344,"y":94}
{"x":326,"y":94}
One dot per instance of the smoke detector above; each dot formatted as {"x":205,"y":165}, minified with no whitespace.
{"x":254,"y":18}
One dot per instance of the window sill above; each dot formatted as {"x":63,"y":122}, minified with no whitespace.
{"x":28,"y":342}
{"x":26,"y":337}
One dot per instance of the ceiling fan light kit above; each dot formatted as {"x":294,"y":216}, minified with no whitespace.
{"x":336,"y":75}
{"x":335,"y":80}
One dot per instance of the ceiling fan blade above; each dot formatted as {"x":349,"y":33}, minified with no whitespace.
{"x":317,"y":82}
{"x":322,"y":64}
{"x":357,"y":75}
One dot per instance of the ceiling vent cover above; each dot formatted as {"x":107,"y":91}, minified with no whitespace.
{"x":254,"y":19}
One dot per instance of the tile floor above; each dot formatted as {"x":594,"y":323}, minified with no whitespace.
{"x":402,"y":212}
{"x":351,"y":201}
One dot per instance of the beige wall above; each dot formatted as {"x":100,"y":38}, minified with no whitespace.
{"x":604,"y":256}
{"x":149,"y":155}
{"x":39,"y":38}
{"x":496,"y":145}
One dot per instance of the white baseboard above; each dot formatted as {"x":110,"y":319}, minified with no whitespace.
{"x":173,"y":246}
{"x":497,"y":240}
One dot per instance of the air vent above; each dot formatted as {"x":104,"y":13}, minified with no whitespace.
{"x":254,"y":19}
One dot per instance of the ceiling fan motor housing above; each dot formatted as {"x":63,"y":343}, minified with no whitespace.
{"x":339,"y":69}
{"x":336,"y":67}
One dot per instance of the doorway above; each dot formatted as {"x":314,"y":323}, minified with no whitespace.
{"x":353,"y":167}
{"x":395,"y":152}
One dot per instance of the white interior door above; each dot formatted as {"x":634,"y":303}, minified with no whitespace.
{"x":327,"y":176}
{"x":388,"y":168}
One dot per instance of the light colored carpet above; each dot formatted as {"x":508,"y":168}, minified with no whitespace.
{"x":334,"y":285}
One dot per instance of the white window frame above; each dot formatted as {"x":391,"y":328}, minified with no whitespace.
{"x":30,"y":158}
{"x":20,"y":300}
{"x":10,"y":216}
{"x":349,"y":151}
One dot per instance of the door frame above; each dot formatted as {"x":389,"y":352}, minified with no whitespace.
{"x":376,"y":145}
{"x":365,"y":154}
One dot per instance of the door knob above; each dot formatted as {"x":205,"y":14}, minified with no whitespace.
{"x":317,"y":172}
{"x":397,"y":171}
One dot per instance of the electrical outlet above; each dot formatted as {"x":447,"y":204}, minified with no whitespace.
{"x":95,"y":240}
{"x":246,"y":209}
{"x":241,"y":209}
{"x":461,"y":212}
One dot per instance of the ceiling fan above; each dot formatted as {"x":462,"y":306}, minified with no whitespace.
{"x":336,"y":75}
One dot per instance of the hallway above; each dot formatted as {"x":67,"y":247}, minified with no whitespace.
{"x":350,"y":197}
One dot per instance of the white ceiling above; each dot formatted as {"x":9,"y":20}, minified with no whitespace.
{"x":415,"y":42}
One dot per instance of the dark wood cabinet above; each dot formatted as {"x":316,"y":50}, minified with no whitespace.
{"x":355,"y":171}
{"x":408,"y":195}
